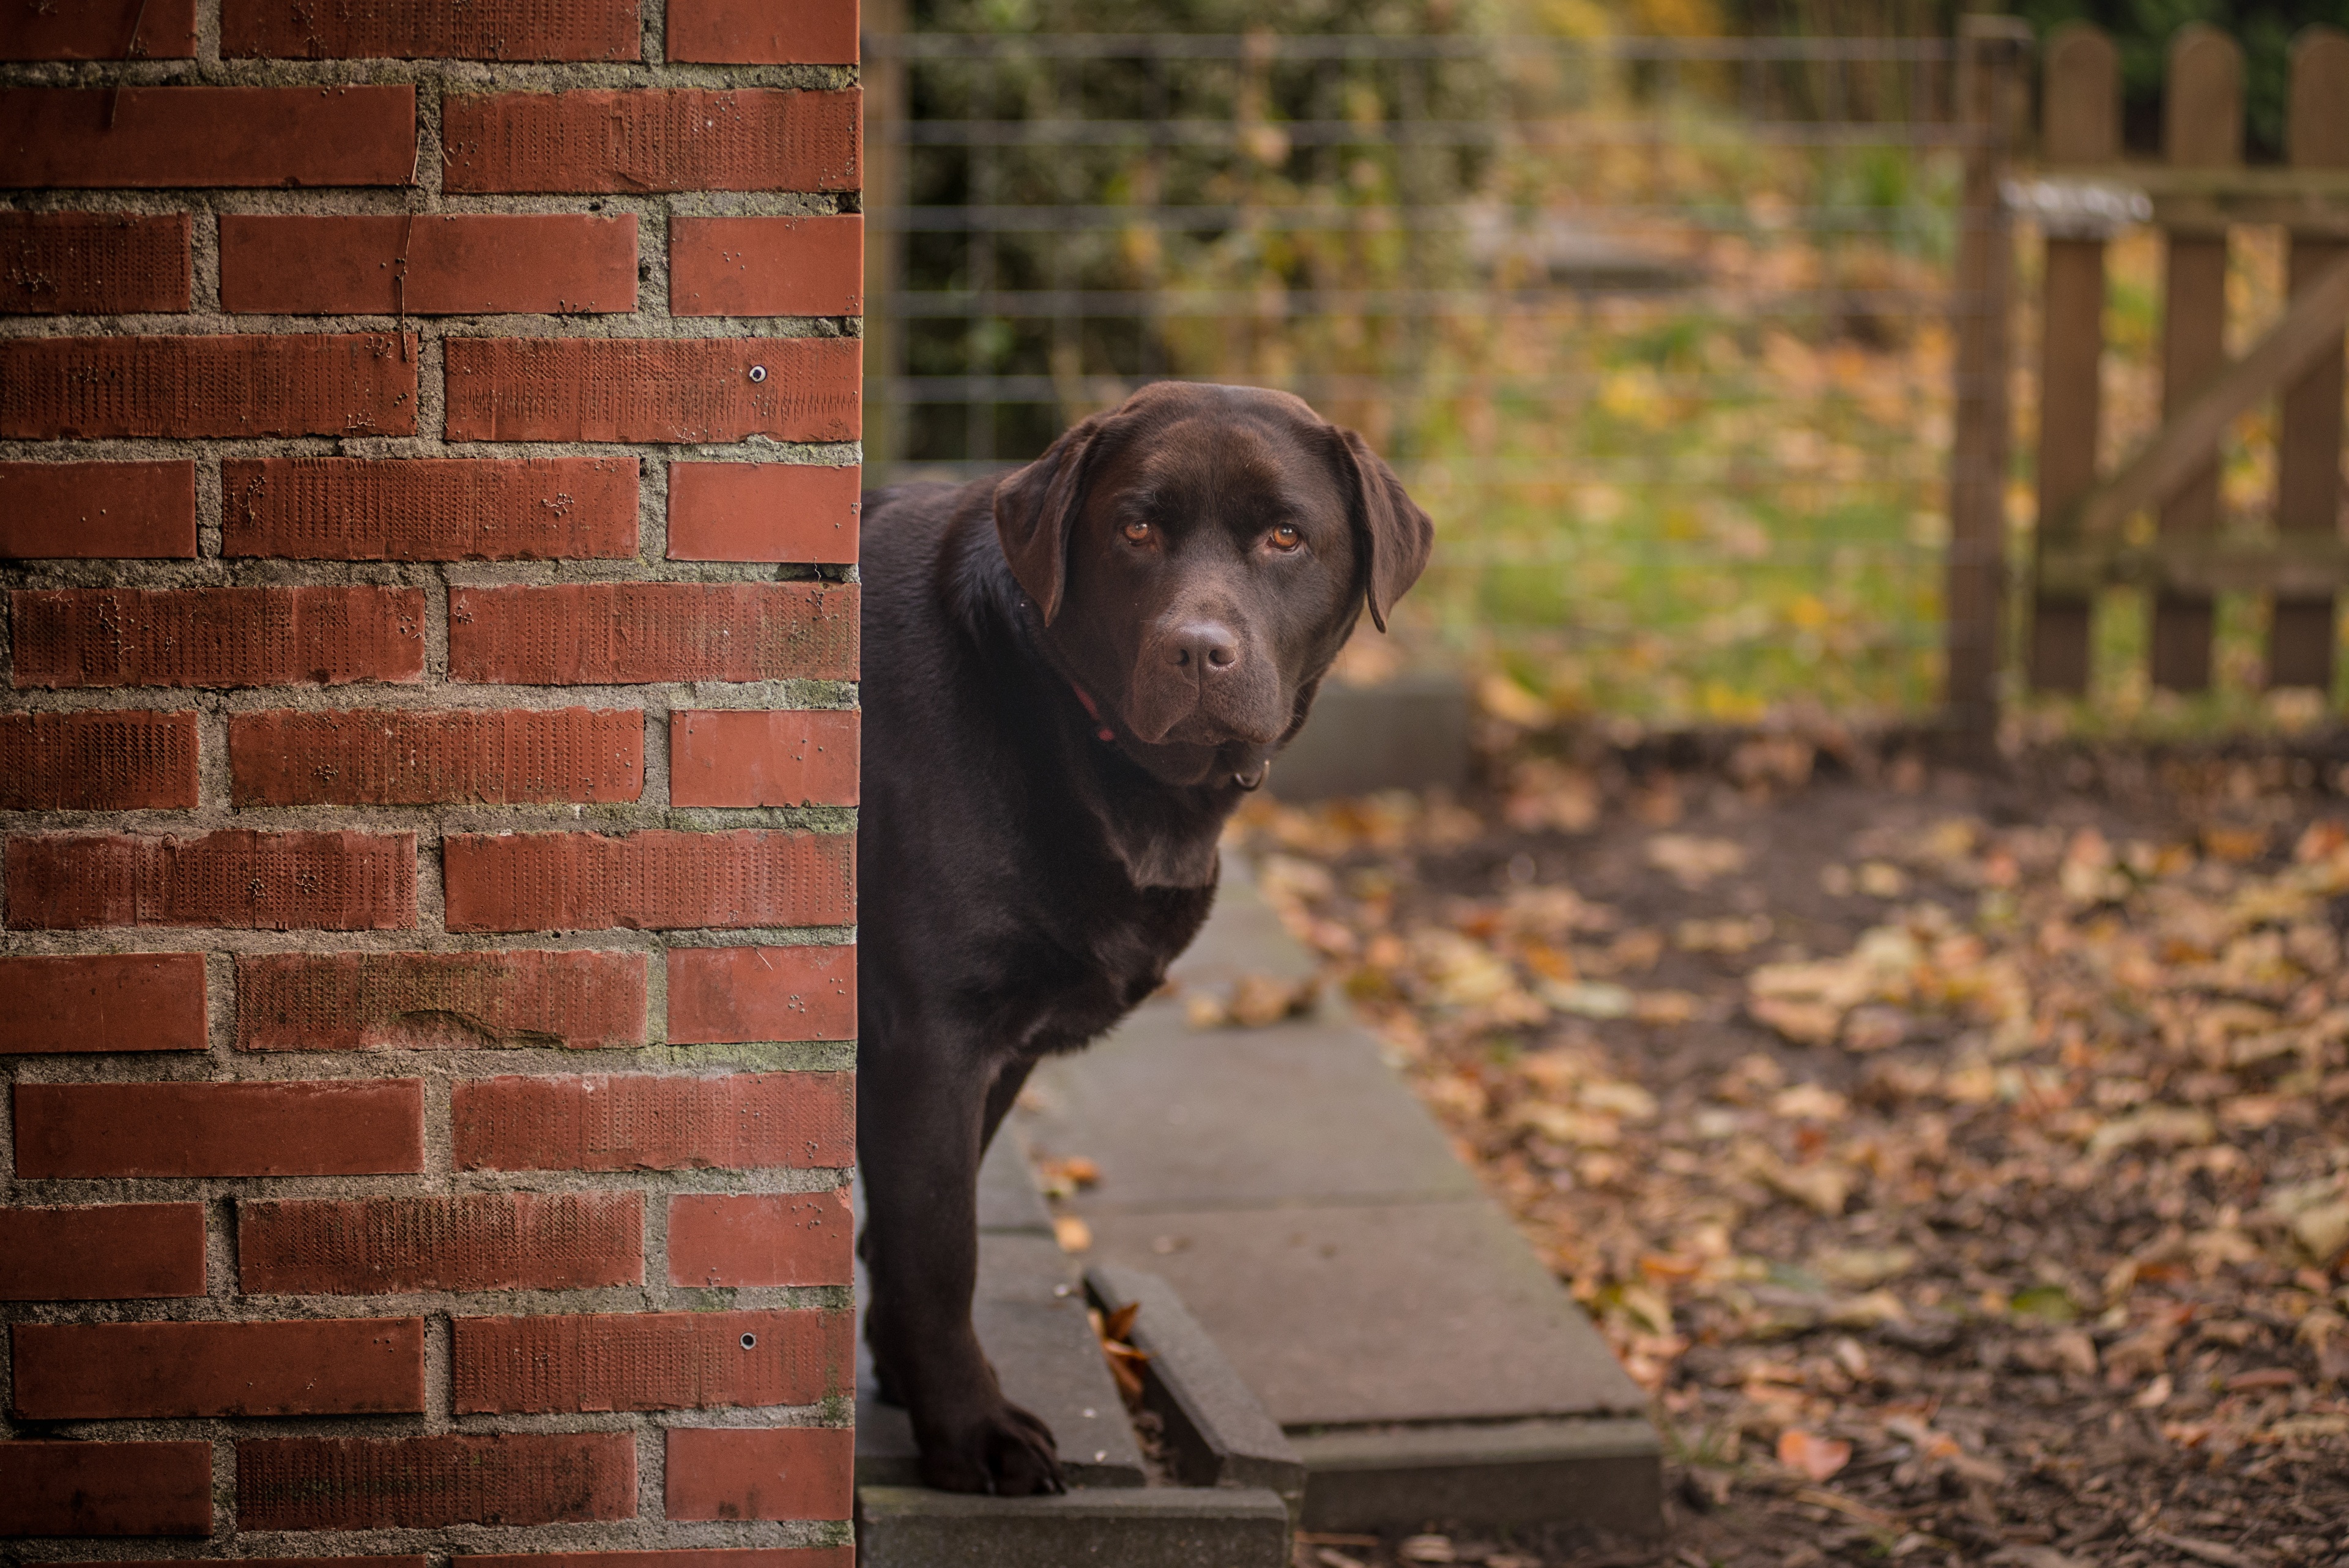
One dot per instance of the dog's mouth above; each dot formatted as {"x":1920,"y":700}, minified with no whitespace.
{"x":1212,"y":732}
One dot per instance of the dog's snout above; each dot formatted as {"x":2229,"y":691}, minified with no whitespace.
{"x":1204,"y":647}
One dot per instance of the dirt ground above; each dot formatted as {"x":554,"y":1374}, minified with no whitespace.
{"x":1962,"y":1162}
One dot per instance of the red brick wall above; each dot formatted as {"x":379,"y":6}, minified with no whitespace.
{"x":427,"y":776}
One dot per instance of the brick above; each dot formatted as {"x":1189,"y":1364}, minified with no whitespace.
{"x":334,"y":1366}
{"x":114,"y":1251}
{"x":408,"y":30}
{"x":760,"y":33}
{"x":685,"y":391}
{"x":744,"y":1241}
{"x":97,"y":510}
{"x":234,"y":880}
{"x":744,"y":1121}
{"x":431,"y":509}
{"x":93,"y":264}
{"x":550,"y":263}
{"x":174,"y":137}
{"x":330,"y":1128}
{"x":166,"y":30}
{"x":218,"y":637}
{"x":478,"y":1241}
{"x":766,"y":267}
{"x":743,"y":757}
{"x":625,"y":634}
{"x":637,"y":141}
{"x":774,"y":1473}
{"x":740,"y":995}
{"x":97,"y":760}
{"x":103,"y":1002}
{"x":361,"y":1483}
{"x":656,"y":880}
{"x":106,"y":1489}
{"x":404,"y":757}
{"x":763,"y":511}
{"x":715,"y":1557}
{"x":375,"y":1001}
{"x":331,"y":384}
{"x":652,"y":1361}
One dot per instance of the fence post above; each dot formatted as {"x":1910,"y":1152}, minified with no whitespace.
{"x":1991,"y":50}
{"x":2202,"y":114}
{"x":2308,"y":432}
{"x":2080,"y":124}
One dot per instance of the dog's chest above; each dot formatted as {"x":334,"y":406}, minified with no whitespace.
{"x":1119,"y":958}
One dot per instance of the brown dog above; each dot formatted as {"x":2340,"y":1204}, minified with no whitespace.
{"x":1070,"y":677}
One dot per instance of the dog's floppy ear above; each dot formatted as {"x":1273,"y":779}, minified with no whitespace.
{"x":1394,"y":535}
{"x":1036,"y":506}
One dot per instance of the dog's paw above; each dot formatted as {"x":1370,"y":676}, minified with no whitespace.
{"x":1005,"y":1451}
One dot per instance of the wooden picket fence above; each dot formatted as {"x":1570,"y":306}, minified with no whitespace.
{"x":2081,"y":192}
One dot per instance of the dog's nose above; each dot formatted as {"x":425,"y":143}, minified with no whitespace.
{"x":1204,"y":647}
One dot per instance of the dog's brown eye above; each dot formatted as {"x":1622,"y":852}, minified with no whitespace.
{"x":1136,"y":532}
{"x":1287,"y":537}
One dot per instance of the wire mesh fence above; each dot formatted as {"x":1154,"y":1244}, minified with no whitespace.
{"x":1659,"y":330}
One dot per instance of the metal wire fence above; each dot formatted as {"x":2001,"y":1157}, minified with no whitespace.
{"x":1658,"y":329}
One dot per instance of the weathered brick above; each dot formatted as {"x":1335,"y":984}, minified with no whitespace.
{"x":114,"y":1251}
{"x":431,"y":509}
{"x":404,"y":757}
{"x":234,"y":880}
{"x":652,"y":1361}
{"x":94,"y":510}
{"x":772,"y":1472}
{"x":626,"y":634}
{"x":81,"y":389}
{"x":744,"y":1121}
{"x":713,"y":1557}
{"x":468,"y":264}
{"x":362,"y":1483}
{"x":171,"y":137}
{"x":759,"y":33}
{"x":656,"y":880}
{"x":334,"y":1366}
{"x":97,"y":760}
{"x":103,"y":1002}
{"x":218,"y":637}
{"x":106,"y":1489}
{"x":373,"y":1001}
{"x":762,"y":756}
{"x":762,"y":512}
{"x":93,"y":264}
{"x":738,"y":139}
{"x":105,"y":30}
{"x":671,"y":389}
{"x":335,"y":1128}
{"x":766,"y":266}
{"x":740,"y":1240}
{"x":478,"y":1241}
{"x":737,"y":995}
{"x":407,"y":30}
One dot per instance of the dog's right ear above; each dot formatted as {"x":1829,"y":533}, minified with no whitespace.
{"x":1036,"y":508}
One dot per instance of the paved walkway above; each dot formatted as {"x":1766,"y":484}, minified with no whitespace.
{"x":1308,"y":1213}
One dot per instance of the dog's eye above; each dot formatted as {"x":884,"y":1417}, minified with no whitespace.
{"x":1136,"y":532}
{"x":1286,"y":537}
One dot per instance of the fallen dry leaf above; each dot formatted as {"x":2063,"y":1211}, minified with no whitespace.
{"x":1810,"y":1454}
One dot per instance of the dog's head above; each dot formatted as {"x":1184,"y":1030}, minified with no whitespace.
{"x":1199,"y":556}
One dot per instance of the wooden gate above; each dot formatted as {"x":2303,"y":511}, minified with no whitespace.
{"x":2080,"y":196}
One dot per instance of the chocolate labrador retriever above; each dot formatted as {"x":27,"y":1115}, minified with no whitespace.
{"x":1070,"y":677}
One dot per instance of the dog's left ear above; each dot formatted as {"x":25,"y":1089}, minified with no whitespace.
{"x":1394,"y":535}
{"x":1035,"y":508}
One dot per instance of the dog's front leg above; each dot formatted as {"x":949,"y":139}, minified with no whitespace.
{"x":920,"y":1140}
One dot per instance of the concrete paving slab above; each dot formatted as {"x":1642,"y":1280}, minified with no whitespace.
{"x":1404,"y":734}
{"x":1007,"y":1199}
{"x":1184,"y":1119}
{"x":1154,"y":1527}
{"x":1336,"y":1316}
{"x":1603,"y":1472}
